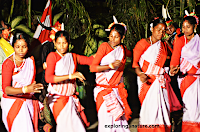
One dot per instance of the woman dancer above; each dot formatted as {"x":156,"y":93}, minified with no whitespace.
{"x":150,"y":55}
{"x":61,"y":75}
{"x":110,"y":94}
{"x":20,"y":108}
{"x":186,"y":54}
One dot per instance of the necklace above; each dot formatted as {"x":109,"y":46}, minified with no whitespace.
{"x":19,"y":60}
{"x":16,"y":69}
{"x":59,"y":53}
{"x":112,"y":46}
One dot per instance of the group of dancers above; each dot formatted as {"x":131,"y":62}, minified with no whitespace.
{"x":154,"y":61}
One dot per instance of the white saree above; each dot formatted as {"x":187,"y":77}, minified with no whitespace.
{"x":111,"y":116}
{"x":61,"y":100}
{"x":154,"y":96}
{"x":190,"y":85}
{"x":19,"y":111}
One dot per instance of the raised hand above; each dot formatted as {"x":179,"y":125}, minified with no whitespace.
{"x":78,"y":75}
{"x":116,"y":64}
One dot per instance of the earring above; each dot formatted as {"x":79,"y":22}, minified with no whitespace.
{"x":122,"y":40}
{"x":195,"y":30}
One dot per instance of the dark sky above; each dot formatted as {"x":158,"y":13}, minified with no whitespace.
{"x":38,"y":5}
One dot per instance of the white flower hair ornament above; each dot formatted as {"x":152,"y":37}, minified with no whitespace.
{"x":151,"y":26}
{"x":116,"y":22}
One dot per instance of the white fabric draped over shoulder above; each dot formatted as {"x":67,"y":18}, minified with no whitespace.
{"x":111,"y":111}
{"x":64,"y":66}
{"x":155,"y":107}
{"x":18,"y":110}
{"x":61,"y":100}
{"x":190,"y":84}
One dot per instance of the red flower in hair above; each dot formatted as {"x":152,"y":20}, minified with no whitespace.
{"x":194,"y":15}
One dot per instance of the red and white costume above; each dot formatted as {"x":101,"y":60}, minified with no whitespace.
{"x":62,"y":99}
{"x":19,"y":112}
{"x":110,"y":94}
{"x":156,"y":97}
{"x":187,"y":55}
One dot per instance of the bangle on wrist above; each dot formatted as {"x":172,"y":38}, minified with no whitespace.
{"x":141,"y":73}
{"x":170,"y":73}
{"x":111,"y":66}
{"x":24,"y":89}
{"x":70,"y":76}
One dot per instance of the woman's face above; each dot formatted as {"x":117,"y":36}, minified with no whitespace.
{"x":170,"y":29}
{"x":187,"y":28}
{"x":61,"y":45}
{"x":20,"y":48}
{"x":5,"y":33}
{"x":158,"y":31}
{"x":114,"y":38}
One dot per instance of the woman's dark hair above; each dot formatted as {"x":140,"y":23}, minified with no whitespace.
{"x":21,"y":35}
{"x":191,"y":20}
{"x":64,"y":34}
{"x":119,"y":28}
{"x":158,"y":21}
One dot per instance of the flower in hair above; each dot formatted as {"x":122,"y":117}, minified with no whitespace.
{"x":19,"y":35}
{"x":151,"y":26}
{"x":116,"y":22}
{"x":109,"y":27}
{"x":121,"y":23}
{"x":192,"y":14}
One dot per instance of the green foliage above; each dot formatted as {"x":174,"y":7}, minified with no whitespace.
{"x":16,"y":25}
{"x":81,"y":90}
{"x":56,"y":17}
{"x":16,"y":21}
{"x":137,"y":15}
{"x":71,"y":47}
{"x":176,"y":8}
{"x":25,"y":29}
{"x":11,"y":10}
{"x":29,"y":14}
{"x":71,"y":12}
{"x":76,"y":18}
{"x":97,"y":36}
